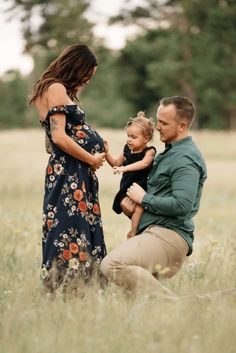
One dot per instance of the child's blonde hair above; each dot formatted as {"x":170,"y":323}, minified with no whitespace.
{"x":147,"y":124}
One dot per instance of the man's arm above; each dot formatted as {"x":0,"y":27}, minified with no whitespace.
{"x":184,"y":187}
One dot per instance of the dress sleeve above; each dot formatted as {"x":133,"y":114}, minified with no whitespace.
{"x":152,"y":147}
{"x":126,"y":150}
{"x":58,"y":110}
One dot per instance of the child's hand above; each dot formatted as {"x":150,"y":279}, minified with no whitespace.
{"x":118,"y":170}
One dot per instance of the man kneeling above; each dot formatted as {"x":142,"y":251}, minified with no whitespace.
{"x":166,"y":230}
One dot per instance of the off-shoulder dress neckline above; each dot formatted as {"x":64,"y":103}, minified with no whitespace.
{"x":59,"y":106}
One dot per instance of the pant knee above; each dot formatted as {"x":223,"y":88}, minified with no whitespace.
{"x":110,"y":266}
{"x":105,"y":266}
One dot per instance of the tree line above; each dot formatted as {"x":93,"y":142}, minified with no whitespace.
{"x":182,"y":48}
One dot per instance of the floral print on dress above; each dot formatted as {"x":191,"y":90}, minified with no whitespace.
{"x":73,"y":241}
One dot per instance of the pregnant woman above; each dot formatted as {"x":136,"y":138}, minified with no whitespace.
{"x":73,"y":244}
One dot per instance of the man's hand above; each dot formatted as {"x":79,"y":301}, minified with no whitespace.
{"x":136,"y":193}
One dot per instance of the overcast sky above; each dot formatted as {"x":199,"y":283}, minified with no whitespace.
{"x":12,"y":43}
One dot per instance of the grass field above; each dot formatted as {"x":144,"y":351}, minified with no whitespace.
{"x":105,"y":321}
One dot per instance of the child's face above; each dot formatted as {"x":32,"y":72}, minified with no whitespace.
{"x":136,"y":140}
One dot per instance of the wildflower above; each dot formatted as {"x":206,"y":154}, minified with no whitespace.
{"x":162,"y":270}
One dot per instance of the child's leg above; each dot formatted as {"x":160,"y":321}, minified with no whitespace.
{"x":128,"y":206}
{"x":135,"y":220}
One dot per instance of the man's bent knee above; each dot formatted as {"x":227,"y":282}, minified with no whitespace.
{"x":109,"y":266}
{"x":106,"y":267}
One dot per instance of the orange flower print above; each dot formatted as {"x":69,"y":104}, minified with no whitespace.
{"x":81,"y":134}
{"x":67,"y":254}
{"x":78,"y":195}
{"x":49,"y":223}
{"x":49,"y":170}
{"x":82,"y":206}
{"x":83,"y":256}
{"x":96,"y":209}
{"x":74,"y":249}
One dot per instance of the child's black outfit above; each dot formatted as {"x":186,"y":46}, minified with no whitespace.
{"x":128,"y":178}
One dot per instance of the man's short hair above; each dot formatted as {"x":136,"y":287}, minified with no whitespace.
{"x":184,"y":107}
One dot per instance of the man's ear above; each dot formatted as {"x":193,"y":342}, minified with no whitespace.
{"x":183,"y":126}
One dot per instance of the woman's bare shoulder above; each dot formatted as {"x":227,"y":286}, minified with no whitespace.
{"x":57,"y":86}
{"x":56,"y":95}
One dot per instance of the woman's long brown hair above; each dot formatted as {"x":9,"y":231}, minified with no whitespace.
{"x":72,"y":68}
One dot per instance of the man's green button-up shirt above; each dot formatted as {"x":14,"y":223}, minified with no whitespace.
{"x":174,"y":189}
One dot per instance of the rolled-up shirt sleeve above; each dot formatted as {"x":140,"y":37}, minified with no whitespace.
{"x":184,"y":183}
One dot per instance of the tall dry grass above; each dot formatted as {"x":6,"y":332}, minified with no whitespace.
{"x":107,"y":321}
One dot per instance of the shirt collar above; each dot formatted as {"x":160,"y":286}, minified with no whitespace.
{"x":179,"y":142}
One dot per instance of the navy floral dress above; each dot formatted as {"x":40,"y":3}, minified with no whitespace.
{"x":73,"y":240}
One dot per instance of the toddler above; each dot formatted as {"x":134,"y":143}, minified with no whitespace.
{"x":134,"y":162}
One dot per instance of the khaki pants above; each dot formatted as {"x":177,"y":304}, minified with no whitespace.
{"x":136,"y":262}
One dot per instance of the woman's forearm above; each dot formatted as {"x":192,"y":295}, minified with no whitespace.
{"x":68,"y":145}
